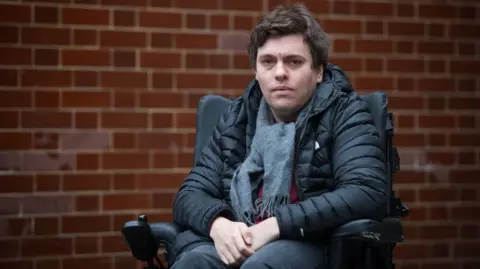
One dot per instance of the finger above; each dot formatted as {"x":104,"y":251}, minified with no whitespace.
{"x":232,"y":248}
{"x":228,"y":257}
{"x":246,"y":234}
{"x":220,"y":254}
{"x":240,"y":243}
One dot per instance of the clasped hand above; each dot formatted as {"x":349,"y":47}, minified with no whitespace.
{"x":235,"y":241}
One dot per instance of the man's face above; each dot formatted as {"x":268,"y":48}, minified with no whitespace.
{"x":285,"y":74}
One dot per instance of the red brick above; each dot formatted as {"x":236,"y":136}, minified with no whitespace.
{"x":375,"y":9}
{"x":160,"y":60}
{"x":161,"y":120}
{"x":86,"y":99}
{"x":85,"y":37}
{"x":15,"y":141}
{"x":123,"y":161}
{"x":373,"y":83}
{"x":436,"y":30}
{"x":244,"y":23}
{"x":10,"y":34}
{"x":114,"y":243}
{"x":16,"y":183}
{"x":86,"y":182}
{"x":196,"y":41}
{"x":348,"y":64}
{"x":160,"y":19}
{"x":412,"y":102}
{"x":219,"y":21}
{"x":206,"y":4}
{"x":437,"y":11}
{"x":46,"y":99}
{"x":9,"y":119}
{"x":86,"y":58}
{"x":86,"y":224}
{"x":46,"y":14}
{"x":197,"y":81}
{"x":161,"y":40}
{"x":161,"y":100}
{"x":440,"y":121}
{"x":47,"y":182}
{"x":47,"y":57}
{"x":20,"y":264}
{"x":160,"y":181}
{"x":8,"y":77}
{"x":405,"y":10}
{"x":87,"y":203}
{"x":15,"y":13}
{"x":131,"y":3}
{"x":406,"y":29}
{"x":124,"y":141}
{"x":85,"y":78}
{"x":87,"y":245}
{"x":86,"y":120}
{"x":83,"y":262}
{"x":342,"y":26}
{"x":463,"y":30}
{"x":85,"y":16}
{"x":406,"y":66}
{"x":46,"y":78}
{"x":123,"y":39}
{"x":124,"y":18}
{"x":428,"y":47}
{"x":15,"y":99}
{"x":340,"y":7}
{"x":124,"y":120}
{"x":46,"y":36}
{"x":374,"y":27}
{"x":38,"y":247}
{"x":124,"y":181}
{"x":45,"y":119}
{"x":164,"y":160}
{"x":46,"y":226}
{"x":436,"y":85}
{"x":15,"y":56}
{"x":123,"y":79}
{"x":9,"y":247}
{"x":113,"y":202}
{"x":248,"y":5}
{"x":374,"y":46}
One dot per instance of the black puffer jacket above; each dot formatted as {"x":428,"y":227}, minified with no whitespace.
{"x":343,"y":180}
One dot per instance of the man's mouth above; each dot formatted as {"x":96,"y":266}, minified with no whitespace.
{"x":282,"y":89}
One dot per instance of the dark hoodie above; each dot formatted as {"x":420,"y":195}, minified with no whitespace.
{"x":340,"y":180}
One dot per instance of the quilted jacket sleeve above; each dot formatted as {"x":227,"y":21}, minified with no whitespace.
{"x":358,"y":165}
{"x":200,"y":199}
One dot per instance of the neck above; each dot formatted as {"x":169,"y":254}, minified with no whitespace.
{"x":284,"y":117}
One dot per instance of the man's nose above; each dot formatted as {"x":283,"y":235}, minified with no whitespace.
{"x":280,"y":72}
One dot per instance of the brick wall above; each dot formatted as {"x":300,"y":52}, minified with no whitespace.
{"x":98,"y":100}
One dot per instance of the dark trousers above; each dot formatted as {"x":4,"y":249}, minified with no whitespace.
{"x":281,"y":254}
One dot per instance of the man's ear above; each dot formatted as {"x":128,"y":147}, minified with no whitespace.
{"x":320,"y":74}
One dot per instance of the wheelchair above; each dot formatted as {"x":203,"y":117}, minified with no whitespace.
{"x":366,"y":244}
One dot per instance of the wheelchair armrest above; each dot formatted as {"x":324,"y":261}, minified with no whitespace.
{"x":145,"y":239}
{"x":387,"y":231}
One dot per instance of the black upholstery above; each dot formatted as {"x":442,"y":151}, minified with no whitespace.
{"x":358,"y":244}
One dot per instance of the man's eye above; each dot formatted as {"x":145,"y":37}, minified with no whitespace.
{"x":296,"y":62}
{"x":267,"y":61}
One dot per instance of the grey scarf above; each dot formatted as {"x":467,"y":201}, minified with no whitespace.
{"x":271,"y":160}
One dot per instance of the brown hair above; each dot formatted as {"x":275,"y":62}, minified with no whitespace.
{"x":287,"y":20}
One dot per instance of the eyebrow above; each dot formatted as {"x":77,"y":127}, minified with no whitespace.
{"x":286,"y":56}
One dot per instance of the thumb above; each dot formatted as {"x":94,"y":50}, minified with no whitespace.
{"x":247,"y":234}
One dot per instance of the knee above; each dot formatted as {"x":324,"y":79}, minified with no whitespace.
{"x":185,"y":260}
{"x":255,"y":263}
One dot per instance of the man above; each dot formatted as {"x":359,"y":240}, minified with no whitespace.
{"x":293,"y":158}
